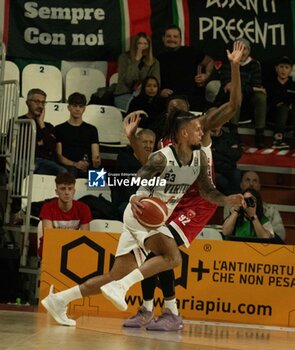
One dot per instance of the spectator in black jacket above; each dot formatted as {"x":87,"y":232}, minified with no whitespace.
{"x":254,"y":95}
{"x":184,"y":69}
{"x":148,"y":100}
{"x":45,"y":152}
{"x":226,"y":152}
{"x":281,"y":101}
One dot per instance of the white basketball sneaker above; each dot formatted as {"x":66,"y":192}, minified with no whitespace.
{"x":115,"y":293}
{"x":57,"y":309}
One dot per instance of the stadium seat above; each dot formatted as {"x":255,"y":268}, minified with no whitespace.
{"x":109,"y":123}
{"x":11,"y":71}
{"x":99,"y":225}
{"x":43,"y":188}
{"x":210,"y":233}
{"x":113,"y":79}
{"x":22,"y":106}
{"x":56,"y":113}
{"x":45,"y":77}
{"x":84,"y":80}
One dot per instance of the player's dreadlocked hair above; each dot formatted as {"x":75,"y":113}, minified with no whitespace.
{"x":175,"y":120}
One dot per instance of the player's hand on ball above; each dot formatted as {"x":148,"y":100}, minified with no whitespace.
{"x":136,"y":206}
{"x":153,"y":214}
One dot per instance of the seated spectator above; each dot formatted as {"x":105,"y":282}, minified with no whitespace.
{"x":45,"y":153}
{"x":184,"y":69}
{"x":133,"y":67}
{"x":226,"y":152}
{"x":254,"y":95}
{"x":148,"y":100}
{"x":128,"y":162}
{"x":64,"y":212}
{"x":281,"y":101}
{"x":250,"y":179}
{"x":213,"y":84}
{"x":77,"y":141}
{"x":249,"y":219}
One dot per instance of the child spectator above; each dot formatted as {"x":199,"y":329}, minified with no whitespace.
{"x":281,"y":100}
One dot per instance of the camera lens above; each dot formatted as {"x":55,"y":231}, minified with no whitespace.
{"x":250,"y":201}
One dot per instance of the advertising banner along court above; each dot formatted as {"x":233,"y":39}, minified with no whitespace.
{"x":218,"y":281}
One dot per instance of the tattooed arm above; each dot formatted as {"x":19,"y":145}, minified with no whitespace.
{"x":209,"y":192}
{"x":154,"y":166}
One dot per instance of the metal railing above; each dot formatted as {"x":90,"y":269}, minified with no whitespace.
{"x":20,"y":178}
{"x":2,"y":60}
{"x":9,"y":99}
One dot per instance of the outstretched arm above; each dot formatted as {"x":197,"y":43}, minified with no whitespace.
{"x":219,"y":116}
{"x":131,"y":123}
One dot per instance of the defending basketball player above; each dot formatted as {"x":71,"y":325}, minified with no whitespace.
{"x":192,"y":213}
{"x":180,"y":164}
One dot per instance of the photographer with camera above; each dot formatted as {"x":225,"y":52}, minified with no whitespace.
{"x":249,"y":219}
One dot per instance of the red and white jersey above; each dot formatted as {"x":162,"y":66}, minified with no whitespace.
{"x":78,"y":215}
{"x":193,"y":211}
{"x":72,"y":220}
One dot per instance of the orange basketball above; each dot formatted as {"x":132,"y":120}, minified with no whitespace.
{"x":154,"y":214}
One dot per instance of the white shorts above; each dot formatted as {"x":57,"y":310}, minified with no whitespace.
{"x":134,"y":235}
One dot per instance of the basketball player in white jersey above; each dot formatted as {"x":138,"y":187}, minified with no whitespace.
{"x":186,"y":133}
{"x":192,"y":213}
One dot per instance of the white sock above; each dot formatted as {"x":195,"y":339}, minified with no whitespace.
{"x":70,"y":294}
{"x":148,"y":304}
{"x":172,"y":306}
{"x":132,"y":278}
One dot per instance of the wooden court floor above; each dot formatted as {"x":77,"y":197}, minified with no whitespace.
{"x":33,"y":330}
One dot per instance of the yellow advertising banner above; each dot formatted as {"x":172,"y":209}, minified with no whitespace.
{"x":218,"y":280}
